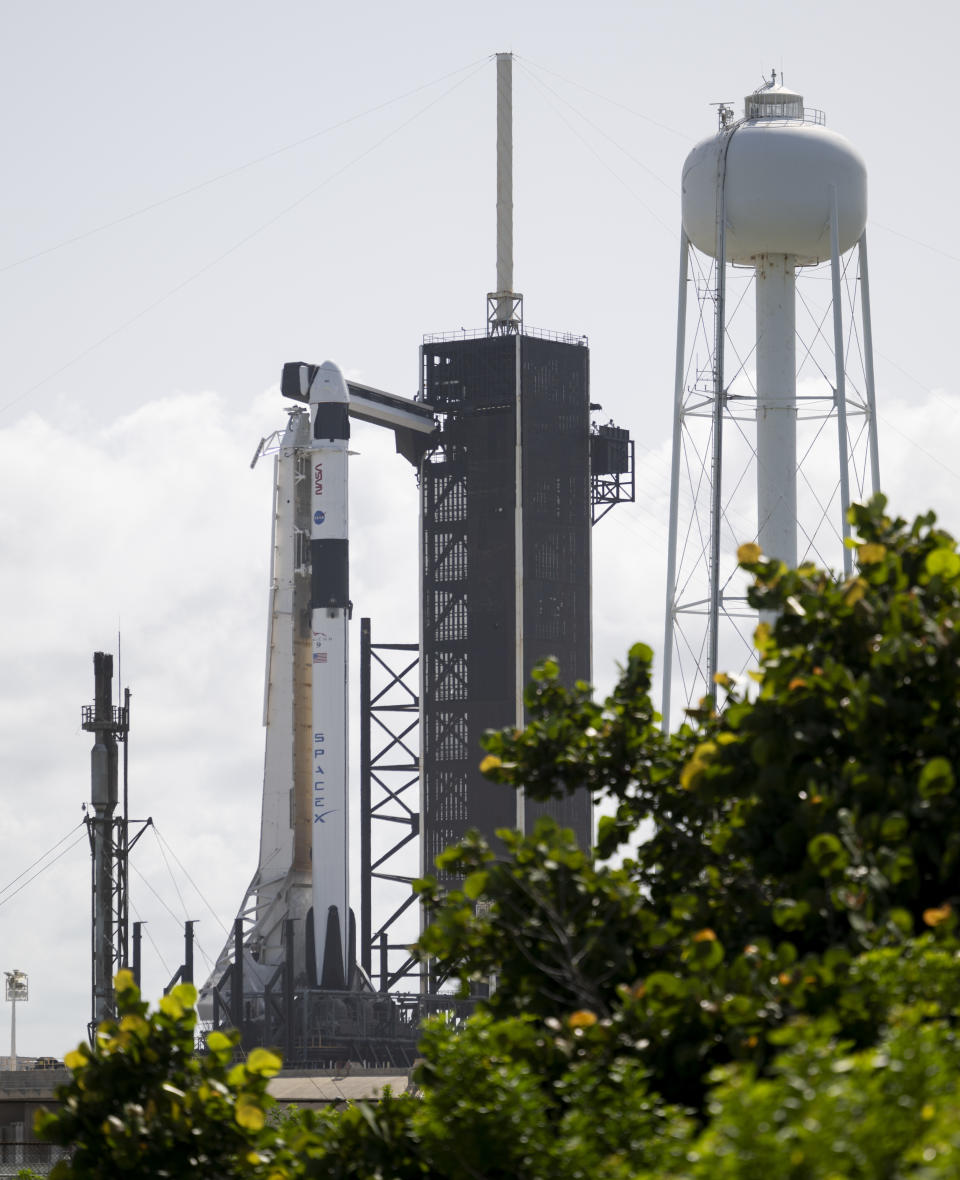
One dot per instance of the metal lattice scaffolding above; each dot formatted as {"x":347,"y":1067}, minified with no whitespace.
{"x":389,"y":806}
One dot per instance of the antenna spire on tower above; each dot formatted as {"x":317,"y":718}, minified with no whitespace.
{"x":504,"y":306}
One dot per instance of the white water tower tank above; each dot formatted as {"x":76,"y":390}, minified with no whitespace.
{"x":780,"y":163}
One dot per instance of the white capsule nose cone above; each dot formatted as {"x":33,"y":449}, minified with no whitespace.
{"x":329,"y":385}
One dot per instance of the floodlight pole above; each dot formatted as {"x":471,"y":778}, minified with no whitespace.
{"x":16,"y":983}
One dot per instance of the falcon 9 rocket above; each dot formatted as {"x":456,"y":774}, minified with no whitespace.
{"x":329,"y":618}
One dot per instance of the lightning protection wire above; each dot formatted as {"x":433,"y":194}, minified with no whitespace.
{"x":238,"y":244}
{"x":210,"y":180}
{"x":545,"y":94}
{"x":165,"y":847}
{"x":607,"y":136}
{"x":166,"y":862}
{"x":63,"y":840}
{"x":174,"y":916}
{"x":914,"y":241}
{"x":913,"y":442}
{"x":930,"y":392}
{"x":151,"y":940}
{"x":166,"y":844}
{"x":605,"y":98}
{"x":162,"y":900}
{"x":161,"y":844}
{"x":927,"y":389}
{"x":6,"y":889}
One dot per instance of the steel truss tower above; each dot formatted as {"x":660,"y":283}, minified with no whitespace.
{"x":109,"y":724}
{"x":389,"y":806}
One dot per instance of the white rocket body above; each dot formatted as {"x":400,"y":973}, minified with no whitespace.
{"x":330,"y":614}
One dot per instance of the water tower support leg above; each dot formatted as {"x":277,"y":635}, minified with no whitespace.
{"x":841,"y":387}
{"x":868,"y":364}
{"x":678,"y":380}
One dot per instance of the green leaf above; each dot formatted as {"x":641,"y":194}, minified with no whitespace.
{"x":704,"y":956}
{"x":663,"y":983}
{"x":265,"y":1063}
{"x":186,"y":993}
{"x":894,"y":827}
{"x":170,"y":1005}
{"x":936,"y":778}
{"x":249,"y":1114}
{"x":790,"y":914}
{"x":944,"y":563}
{"x":475,"y":884}
{"x":641,"y":653}
{"x":827,"y":853}
{"x":217,"y":1040}
{"x":902,"y":920}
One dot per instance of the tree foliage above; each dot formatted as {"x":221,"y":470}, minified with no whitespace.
{"x":756,"y":971}
{"x":143,"y":1102}
{"x":770,"y":848}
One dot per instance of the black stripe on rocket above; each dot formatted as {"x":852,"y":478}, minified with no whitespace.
{"x":330,"y":574}
{"x":329,"y":558}
{"x":332,"y":421}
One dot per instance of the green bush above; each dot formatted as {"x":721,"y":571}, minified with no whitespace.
{"x":142,"y":1102}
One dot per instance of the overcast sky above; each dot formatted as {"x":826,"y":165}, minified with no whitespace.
{"x":195,"y":193}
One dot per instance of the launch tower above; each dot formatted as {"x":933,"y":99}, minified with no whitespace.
{"x":507,"y":497}
{"x":506,"y":551}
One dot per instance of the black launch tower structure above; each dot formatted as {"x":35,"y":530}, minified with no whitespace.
{"x":506,"y":514}
{"x":510,"y":483}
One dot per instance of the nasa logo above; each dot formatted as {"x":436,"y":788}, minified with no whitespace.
{"x":318,"y":479}
{"x":319,"y":517}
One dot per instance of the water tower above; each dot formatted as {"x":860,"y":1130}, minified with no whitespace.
{"x":774,"y":415}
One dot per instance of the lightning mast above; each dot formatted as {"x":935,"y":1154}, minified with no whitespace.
{"x":109,"y":724}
